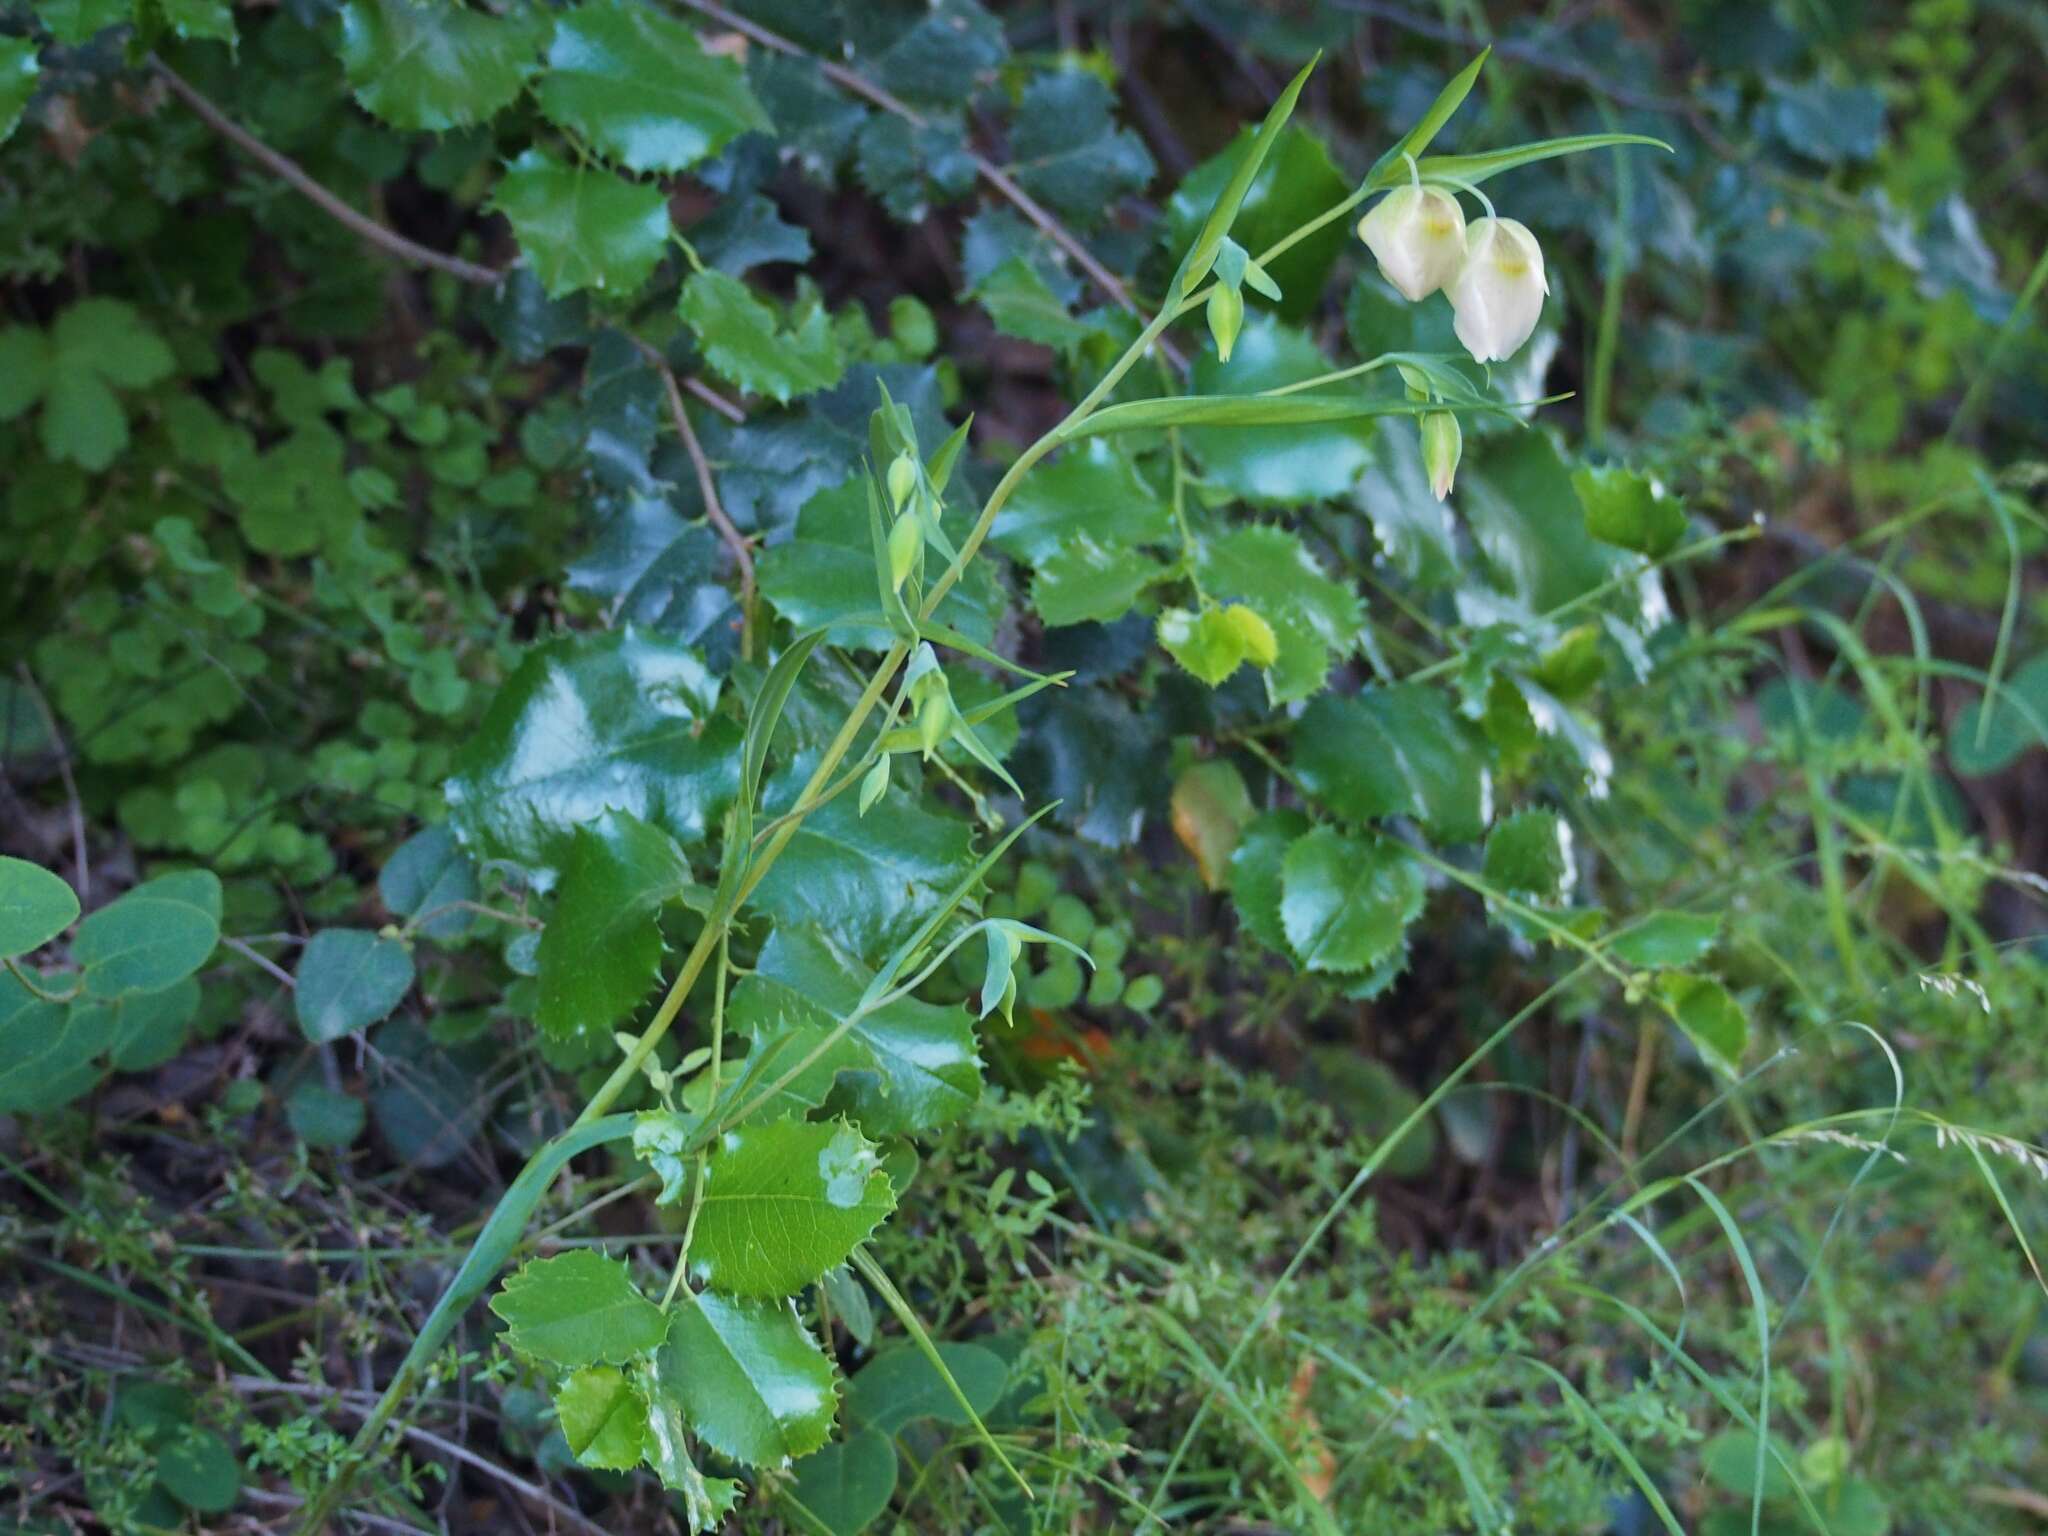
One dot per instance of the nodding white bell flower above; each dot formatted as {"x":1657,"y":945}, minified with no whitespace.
{"x":1498,"y":293}
{"x":1417,"y":234}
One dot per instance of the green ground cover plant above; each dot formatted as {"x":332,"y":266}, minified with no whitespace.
{"x":866,"y":767}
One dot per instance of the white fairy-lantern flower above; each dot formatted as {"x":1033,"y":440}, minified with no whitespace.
{"x":1498,"y":293}
{"x":1417,"y":234}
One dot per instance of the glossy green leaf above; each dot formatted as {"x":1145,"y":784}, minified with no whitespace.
{"x":154,"y":936}
{"x":349,"y":979}
{"x":1067,"y":151}
{"x":901,"y":1385}
{"x":1630,"y":510}
{"x":2018,"y":721}
{"x":783,"y":1203}
{"x":747,"y":1376}
{"x":1347,"y":901}
{"x":621,"y":720}
{"x":49,"y":1053}
{"x":1517,"y":496}
{"x":1088,"y":582}
{"x":1667,"y":939}
{"x":1396,"y":752}
{"x":600,"y":953}
{"x":635,"y":84}
{"x":1316,"y":620}
{"x":1256,"y":867}
{"x":925,"y":1067}
{"x":1710,"y":1017}
{"x":706,"y":1500}
{"x":1022,"y":304}
{"x":1297,"y":182}
{"x":583,"y":227}
{"x":425,"y":880}
{"x":845,"y":1486}
{"x":18,"y":74}
{"x":436,"y":66}
{"x":1091,"y":490}
{"x":603,"y":1416}
{"x":747,"y":343}
{"x":1282,"y":449}
{"x":1529,"y":854}
{"x":825,"y":575}
{"x":576,"y":1309}
{"x":35,"y":906}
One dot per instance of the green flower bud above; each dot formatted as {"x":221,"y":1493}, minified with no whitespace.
{"x":1442,"y":442}
{"x":906,"y":543}
{"x":902,"y":479}
{"x":1226,"y":317}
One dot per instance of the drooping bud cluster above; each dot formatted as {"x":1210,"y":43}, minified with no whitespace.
{"x":1491,"y":269}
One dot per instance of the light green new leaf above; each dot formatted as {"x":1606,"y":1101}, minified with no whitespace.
{"x":348,"y":979}
{"x":1629,"y":510}
{"x":603,"y":1417}
{"x":1347,"y":901}
{"x":1711,"y":1018}
{"x":576,"y":1309}
{"x":35,"y":906}
{"x":583,"y":227}
{"x":747,"y":344}
{"x":785,"y":1202}
{"x":747,"y":1377}
{"x":436,"y":64}
{"x":156,"y":935}
{"x":601,"y":950}
{"x":1215,"y":642}
{"x":1667,"y":939}
{"x":636,"y":84}
{"x":1315,"y":619}
{"x":18,"y":72}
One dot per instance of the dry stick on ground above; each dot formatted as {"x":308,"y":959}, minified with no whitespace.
{"x":987,"y":169}
{"x":714,"y":509}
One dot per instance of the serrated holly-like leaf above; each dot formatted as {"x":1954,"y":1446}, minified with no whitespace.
{"x":706,"y":1500}
{"x":746,"y":1376}
{"x":1091,"y":490}
{"x":1529,"y":854}
{"x":582,"y":227}
{"x":1396,"y":752}
{"x":1667,"y":939}
{"x":1315,"y":619}
{"x":746,"y":342}
{"x":746,"y":232}
{"x":945,"y":55}
{"x":1629,"y":510}
{"x":1022,"y":305}
{"x":35,"y":906}
{"x":1087,"y":581}
{"x":349,"y":979}
{"x":73,"y":22}
{"x":826,"y":575}
{"x":18,"y":72}
{"x":1283,"y":465}
{"x":927,"y":1069}
{"x":601,"y":950}
{"x":603,"y":1416}
{"x":1255,"y":874}
{"x":785,"y":1202}
{"x":1710,"y":1017}
{"x":151,"y":938}
{"x":576,"y":1309}
{"x":1347,"y":901}
{"x":1068,"y":151}
{"x":589,"y":723}
{"x":868,"y":879}
{"x":636,"y":84}
{"x":436,"y":65}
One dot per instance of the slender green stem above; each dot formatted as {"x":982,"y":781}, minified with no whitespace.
{"x":714,"y":1068}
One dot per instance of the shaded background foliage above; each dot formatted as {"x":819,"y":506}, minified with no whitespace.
{"x":307,"y":546}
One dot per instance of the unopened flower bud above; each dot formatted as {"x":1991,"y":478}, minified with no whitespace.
{"x":906,"y":539}
{"x":934,"y":719}
{"x":1498,"y":295}
{"x":1442,"y":442}
{"x":902,"y":479}
{"x":1226,"y":316}
{"x":1417,"y":234}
